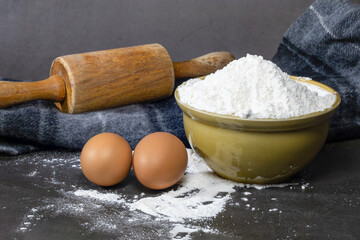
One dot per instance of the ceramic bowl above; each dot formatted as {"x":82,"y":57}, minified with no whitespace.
{"x":257,"y":151}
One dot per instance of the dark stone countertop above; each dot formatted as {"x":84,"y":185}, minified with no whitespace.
{"x":325,"y":204}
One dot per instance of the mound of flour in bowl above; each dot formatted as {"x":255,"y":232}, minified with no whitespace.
{"x":254,"y":88}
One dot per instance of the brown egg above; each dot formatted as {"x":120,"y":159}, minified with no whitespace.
{"x":106,"y":159}
{"x":159,"y":160}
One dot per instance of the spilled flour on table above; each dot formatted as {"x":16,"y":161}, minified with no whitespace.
{"x":181,"y":211}
{"x":202,"y":195}
{"x":110,"y":197}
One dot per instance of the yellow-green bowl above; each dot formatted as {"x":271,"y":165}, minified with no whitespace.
{"x":261,"y":150}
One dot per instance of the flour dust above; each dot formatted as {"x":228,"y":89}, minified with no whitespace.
{"x":254,"y":88}
{"x":180,"y":212}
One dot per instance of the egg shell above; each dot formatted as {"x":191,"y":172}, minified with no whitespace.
{"x":106,"y":159}
{"x":159,"y":160}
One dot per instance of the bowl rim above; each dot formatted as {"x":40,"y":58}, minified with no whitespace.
{"x":326,"y":113}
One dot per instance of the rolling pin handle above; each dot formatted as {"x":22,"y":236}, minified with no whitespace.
{"x":12,"y":93}
{"x":203,"y":65}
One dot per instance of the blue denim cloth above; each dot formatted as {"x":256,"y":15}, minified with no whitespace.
{"x":39,"y":124}
{"x":323,"y":44}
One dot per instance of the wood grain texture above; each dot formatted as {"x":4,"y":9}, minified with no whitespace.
{"x":12,"y":93}
{"x":110,"y":78}
{"x":203,"y":65}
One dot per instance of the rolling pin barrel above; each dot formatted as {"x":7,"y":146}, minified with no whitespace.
{"x":110,"y":78}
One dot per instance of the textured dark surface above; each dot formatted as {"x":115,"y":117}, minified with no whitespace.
{"x":327,"y":208}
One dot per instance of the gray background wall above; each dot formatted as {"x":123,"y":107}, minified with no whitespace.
{"x":33,"y":33}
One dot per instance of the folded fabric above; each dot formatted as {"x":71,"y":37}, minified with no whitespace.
{"x":322,"y":44}
{"x":39,"y":124}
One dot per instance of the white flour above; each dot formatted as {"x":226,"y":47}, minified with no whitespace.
{"x":202,"y":194}
{"x":110,"y":197}
{"x":183,"y":211}
{"x":254,"y":88}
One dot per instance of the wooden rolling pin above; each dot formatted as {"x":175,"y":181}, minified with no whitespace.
{"x":105,"y":79}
